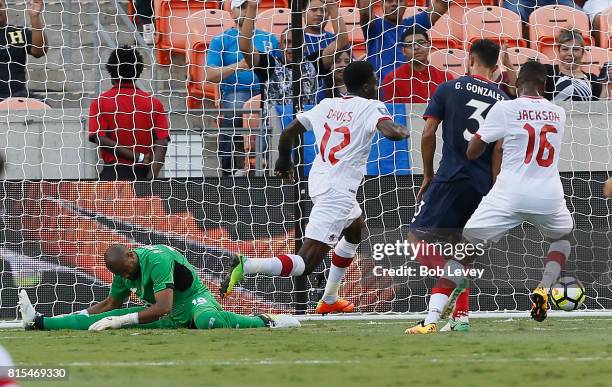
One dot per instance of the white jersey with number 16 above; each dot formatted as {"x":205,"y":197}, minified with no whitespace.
{"x":343,"y":128}
{"x":532,"y":133}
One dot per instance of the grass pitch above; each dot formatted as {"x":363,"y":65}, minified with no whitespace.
{"x":519,"y":352}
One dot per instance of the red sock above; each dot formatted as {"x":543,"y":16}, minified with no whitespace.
{"x":428,"y":256}
{"x":462,"y":307}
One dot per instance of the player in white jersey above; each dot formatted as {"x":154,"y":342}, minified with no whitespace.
{"x":528,"y":188}
{"x":343,"y":128}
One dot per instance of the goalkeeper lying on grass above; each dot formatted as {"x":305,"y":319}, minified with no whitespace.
{"x":161,"y":277}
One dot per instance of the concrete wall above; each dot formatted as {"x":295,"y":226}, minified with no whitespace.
{"x":53,"y":144}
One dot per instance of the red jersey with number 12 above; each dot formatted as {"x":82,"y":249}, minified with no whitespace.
{"x":532,"y":132}
{"x":343,"y":128}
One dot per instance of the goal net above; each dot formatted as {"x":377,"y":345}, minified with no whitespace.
{"x":213,"y":200}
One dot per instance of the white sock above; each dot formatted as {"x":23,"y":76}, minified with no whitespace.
{"x":288,"y":265}
{"x":270,"y":266}
{"x":551,"y":273}
{"x":437,"y":302}
{"x":344,"y":251}
{"x":558,"y":253}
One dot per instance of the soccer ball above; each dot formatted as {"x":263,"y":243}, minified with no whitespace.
{"x":567,"y":293}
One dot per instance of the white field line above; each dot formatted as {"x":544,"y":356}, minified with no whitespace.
{"x":481,"y":358}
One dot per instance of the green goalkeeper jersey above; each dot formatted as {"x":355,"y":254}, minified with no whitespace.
{"x":162,"y":267}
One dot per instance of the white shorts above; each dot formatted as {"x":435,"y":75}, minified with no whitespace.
{"x":491,"y":221}
{"x":331,"y":214}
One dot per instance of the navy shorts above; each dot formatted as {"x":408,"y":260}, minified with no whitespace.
{"x":445,"y":209}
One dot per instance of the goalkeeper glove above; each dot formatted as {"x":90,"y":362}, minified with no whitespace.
{"x":114,"y":322}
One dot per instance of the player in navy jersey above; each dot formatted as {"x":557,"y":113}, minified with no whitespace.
{"x":448,"y":199}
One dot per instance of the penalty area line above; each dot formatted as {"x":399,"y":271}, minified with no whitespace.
{"x":246,"y":362}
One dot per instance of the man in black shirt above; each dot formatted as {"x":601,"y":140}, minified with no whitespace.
{"x":15,"y":45}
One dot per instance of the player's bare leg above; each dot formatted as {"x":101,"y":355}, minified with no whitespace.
{"x":459,"y":321}
{"x":308,"y":258}
{"x":444,"y":294}
{"x":342,"y":256}
{"x":555,"y":260}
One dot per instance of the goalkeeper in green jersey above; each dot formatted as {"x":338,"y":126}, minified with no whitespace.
{"x":162,"y":278}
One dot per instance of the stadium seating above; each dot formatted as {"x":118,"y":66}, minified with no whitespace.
{"x":546,"y":22}
{"x":493,"y":23}
{"x":605,"y":32}
{"x":274,"y":20}
{"x":448,"y":30}
{"x":171,"y":25}
{"x":594,"y":58}
{"x":18,"y":103}
{"x":251,"y":121}
{"x":451,"y":60}
{"x":262,"y":6}
{"x":203,"y":26}
{"x":520,"y":55}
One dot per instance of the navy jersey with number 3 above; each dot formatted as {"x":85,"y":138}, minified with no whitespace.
{"x":462,"y":105}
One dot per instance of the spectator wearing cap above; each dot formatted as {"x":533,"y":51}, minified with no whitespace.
{"x":417,"y":80}
{"x":16,"y":43}
{"x":383,"y":34}
{"x":225,"y":65}
{"x":129,"y":125}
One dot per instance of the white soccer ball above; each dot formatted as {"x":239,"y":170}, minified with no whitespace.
{"x":567,"y":293}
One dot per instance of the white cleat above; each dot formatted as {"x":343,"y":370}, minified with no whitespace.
{"x":280,"y":321}
{"x":28,"y":314}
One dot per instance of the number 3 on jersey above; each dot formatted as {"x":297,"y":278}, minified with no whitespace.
{"x":478,"y":115}
{"x":346,"y":139}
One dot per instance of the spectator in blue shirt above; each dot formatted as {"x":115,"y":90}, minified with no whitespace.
{"x":524,"y":8}
{"x":383,"y":34}
{"x":315,"y":36}
{"x":225,"y":65}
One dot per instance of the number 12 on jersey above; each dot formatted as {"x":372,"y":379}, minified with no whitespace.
{"x":544,"y":145}
{"x":346,"y":139}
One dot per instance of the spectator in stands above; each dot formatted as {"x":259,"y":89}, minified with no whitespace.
{"x":15,"y":44}
{"x":566,"y":80}
{"x":524,"y":8}
{"x":594,"y":8}
{"x":278,"y":74}
{"x":315,"y":36}
{"x":383,"y":34}
{"x":144,"y":11}
{"x":417,"y":80}
{"x":225,"y":65}
{"x":333,"y":81}
{"x":129,"y":125}
{"x":506,"y":79}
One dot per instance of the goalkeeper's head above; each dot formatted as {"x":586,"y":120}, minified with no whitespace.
{"x":360,"y":80}
{"x":531,"y":80}
{"x":122,"y":261}
{"x":124,"y":64}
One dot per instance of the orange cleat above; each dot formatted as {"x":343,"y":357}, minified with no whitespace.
{"x":340,"y":306}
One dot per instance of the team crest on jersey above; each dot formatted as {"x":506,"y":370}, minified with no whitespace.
{"x":332,"y":238}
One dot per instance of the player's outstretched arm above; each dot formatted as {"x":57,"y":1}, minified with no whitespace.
{"x":393,"y":131}
{"x":245,"y":40}
{"x":607,"y":190}
{"x":284,"y":165}
{"x":108,"y":304}
{"x":162,"y":307}
{"x":428,"y":149}
{"x":476,"y":148}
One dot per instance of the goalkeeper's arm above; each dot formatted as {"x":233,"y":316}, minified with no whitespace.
{"x":109,"y":303}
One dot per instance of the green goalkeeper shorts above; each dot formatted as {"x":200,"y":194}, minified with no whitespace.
{"x":184,"y":315}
